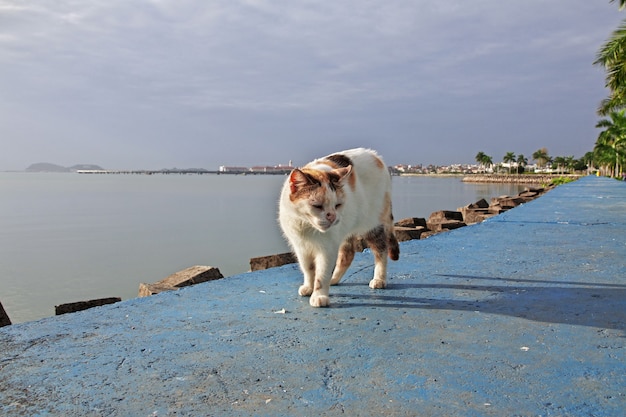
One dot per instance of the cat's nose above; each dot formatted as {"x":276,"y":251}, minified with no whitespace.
{"x":330,"y":216}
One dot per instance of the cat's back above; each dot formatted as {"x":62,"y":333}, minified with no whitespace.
{"x":364,"y":161}
{"x":367,"y":164}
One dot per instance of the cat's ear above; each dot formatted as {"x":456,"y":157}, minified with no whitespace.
{"x":297,"y":180}
{"x":343,"y":173}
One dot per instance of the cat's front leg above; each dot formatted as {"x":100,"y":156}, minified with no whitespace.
{"x":307,"y":265}
{"x":321,"y":284}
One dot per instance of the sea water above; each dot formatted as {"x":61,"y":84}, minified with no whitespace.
{"x":70,"y":237}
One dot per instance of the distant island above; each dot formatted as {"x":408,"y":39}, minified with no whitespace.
{"x":48,"y":167}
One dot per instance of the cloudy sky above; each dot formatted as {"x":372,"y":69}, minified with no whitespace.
{"x":156,"y":84}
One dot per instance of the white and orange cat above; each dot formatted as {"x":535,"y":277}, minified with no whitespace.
{"x":325,"y":205}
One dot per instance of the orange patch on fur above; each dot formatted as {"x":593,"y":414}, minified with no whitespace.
{"x":379,"y":163}
{"x":352,"y":180}
{"x":308,"y":181}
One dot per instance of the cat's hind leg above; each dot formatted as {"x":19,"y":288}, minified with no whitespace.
{"x":377,"y":241}
{"x":393,"y":248}
{"x":344,"y":259}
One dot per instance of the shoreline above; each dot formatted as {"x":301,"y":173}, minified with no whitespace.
{"x":517,"y":178}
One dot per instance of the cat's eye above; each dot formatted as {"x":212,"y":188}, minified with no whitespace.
{"x":318,"y":206}
{"x":337,"y":206}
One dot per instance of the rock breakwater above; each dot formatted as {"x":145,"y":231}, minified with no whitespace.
{"x":420,"y":228}
{"x":517,"y":179}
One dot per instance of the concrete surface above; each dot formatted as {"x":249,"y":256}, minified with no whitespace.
{"x":523,"y":314}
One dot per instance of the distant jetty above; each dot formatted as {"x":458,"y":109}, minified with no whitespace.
{"x":180,"y":172}
{"x":517,"y":179}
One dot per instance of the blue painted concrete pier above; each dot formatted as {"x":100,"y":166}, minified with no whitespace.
{"x":521,"y":315}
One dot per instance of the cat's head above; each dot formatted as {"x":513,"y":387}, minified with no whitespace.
{"x":318,"y":196}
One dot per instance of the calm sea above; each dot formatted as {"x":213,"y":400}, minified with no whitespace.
{"x":72,"y":237}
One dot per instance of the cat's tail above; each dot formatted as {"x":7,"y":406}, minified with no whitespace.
{"x":393,"y":248}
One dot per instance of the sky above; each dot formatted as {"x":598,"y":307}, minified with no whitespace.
{"x":152,"y":84}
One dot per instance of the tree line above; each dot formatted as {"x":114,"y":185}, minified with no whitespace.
{"x":518,"y":163}
{"x":609,"y":152}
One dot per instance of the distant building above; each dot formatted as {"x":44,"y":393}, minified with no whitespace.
{"x":277,"y":169}
{"x":233,"y":169}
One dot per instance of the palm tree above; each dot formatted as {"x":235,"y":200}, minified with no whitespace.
{"x":622,"y":3}
{"x":612,"y":56}
{"x":559,"y":161}
{"x":611,"y":142}
{"x":521,"y":160}
{"x":569,"y":163}
{"x":480,"y":158}
{"x":487,"y":161}
{"x":509,"y":158}
{"x":483,"y":160}
{"x":541,"y":156}
{"x":588,"y":160}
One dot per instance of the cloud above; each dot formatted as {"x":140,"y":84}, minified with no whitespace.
{"x":183,"y":64}
{"x":272,"y":54}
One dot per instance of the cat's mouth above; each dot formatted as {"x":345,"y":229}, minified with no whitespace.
{"x":322,"y":227}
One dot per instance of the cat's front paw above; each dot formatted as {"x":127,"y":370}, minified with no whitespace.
{"x":319,"y":301}
{"x":378,"y":283}
{"x":305,"y":290}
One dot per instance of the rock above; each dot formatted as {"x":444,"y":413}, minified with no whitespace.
{"x":510,"y":202}
{"x":428,"y":234}
{"x":410,"y":228}
{"x":84,"y":305}
{"x":495,"y":210}
{"x":439,"y":216}
{"x":472,"y":216}
{"x":480,"y":204}
{"x":528,"y":194}
{"x":445,"y":225}
{"x":192,"y":275}
{"x":146,"y":290}
{"x":408,"y":233}
{"x":272,"y":261}
{"x":411,"y":222}
{"x":445,"y":220}
{"x":475,"y":212}
{"x":4,"y":317}
{"x":186,"y":277}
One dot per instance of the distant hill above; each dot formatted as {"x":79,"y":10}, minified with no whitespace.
{"x":86,"y":166}
{"x":48,"y":167}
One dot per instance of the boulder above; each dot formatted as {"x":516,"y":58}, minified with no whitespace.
{"x":4,"y":317}
{"x":496,"y":209}
{"x":272,"y":261}
{"x":411,"y":222}
{"x":443,"y":215}
{"x":408,"y":233}
{"x":186,"y":277}
{"x":445,"y":220}
{"x":475,"y":212}
{"x":471,"y":216}
{"x":84,"y":305}
{"x":511,"y":202}
{"x":441,"y":226}
{"x":480,"y":204}
{"x":410,"y":228}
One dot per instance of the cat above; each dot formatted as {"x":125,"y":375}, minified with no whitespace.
{"x":323,"y":208}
